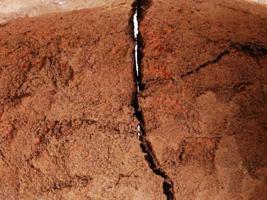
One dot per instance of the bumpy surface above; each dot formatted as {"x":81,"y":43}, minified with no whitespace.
{"x":67,"y":129}
{"x":10,"y":9}
{"x":204,"y":104}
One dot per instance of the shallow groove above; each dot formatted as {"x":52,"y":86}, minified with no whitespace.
{"x":138,"y":10}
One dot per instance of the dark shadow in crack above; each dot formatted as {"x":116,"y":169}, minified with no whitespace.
{"x":139,"y":8}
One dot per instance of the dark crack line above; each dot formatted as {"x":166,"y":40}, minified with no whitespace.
{"x":253,"y":50}
{"x":202,"y":66}
{"x":138,"y":9}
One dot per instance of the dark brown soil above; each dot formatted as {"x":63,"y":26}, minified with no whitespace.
{"x":67,"y":124}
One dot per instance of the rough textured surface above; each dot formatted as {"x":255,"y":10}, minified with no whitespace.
{"x":67,"y":129}
{"x":204,"y":103}
{"x":10,"y":9}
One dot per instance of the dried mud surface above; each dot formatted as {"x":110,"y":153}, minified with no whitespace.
{"x":204,"y":103}
{"x":67,"y":129}
{"x":67,"y":124}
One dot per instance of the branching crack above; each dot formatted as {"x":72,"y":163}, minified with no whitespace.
{"x":138,"y":10}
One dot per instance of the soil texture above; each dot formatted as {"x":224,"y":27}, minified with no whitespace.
{"x":69,"y":106}
{"x":67,"y":129}
{"x":204,"y":68}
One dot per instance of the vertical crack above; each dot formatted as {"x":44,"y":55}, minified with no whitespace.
{"x":138,"y":10}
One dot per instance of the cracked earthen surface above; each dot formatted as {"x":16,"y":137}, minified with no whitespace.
{"x":204,"y":102}
{"x":67,"y":129}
